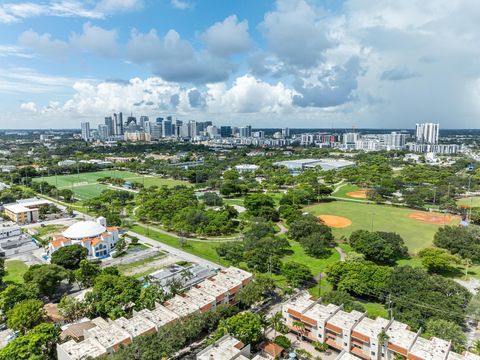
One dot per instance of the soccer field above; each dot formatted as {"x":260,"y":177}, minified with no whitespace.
{"x":85,"y":186}
{"x":416,"y":234}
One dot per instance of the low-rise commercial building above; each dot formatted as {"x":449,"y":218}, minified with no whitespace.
{"x":25,"y":211}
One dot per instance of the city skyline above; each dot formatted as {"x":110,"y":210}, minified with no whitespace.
{"x":316,"y":64}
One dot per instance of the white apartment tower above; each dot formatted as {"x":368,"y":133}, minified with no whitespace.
{"x":427,"y":133}
{"x":85,"y":131}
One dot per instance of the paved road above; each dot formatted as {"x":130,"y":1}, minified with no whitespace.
{"x":174,"y":251}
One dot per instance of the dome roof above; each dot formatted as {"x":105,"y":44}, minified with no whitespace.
{"x":84,"y":229}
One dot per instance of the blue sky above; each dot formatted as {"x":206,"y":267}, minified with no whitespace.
{"x":296,"y":63}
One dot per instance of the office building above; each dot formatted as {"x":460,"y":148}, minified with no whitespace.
{"x":192,"y":129}
{"x":147,"y":127}
{"x":246,"y":131}
{"x":110,"y":125}
{"x":159,"y":120}
{"x":131,"y":120}
{"x":427,"y":133}
{"x":286,"y":132}
{"x":155,"y":131}
{"x":118,"y":122}
{"x":85,"y":130}
{"x":142,"y":121}
{"x":103,"y":132}
{"x":25,"y":211}
{"x":167,"y":127}
{"x":225,"y":131}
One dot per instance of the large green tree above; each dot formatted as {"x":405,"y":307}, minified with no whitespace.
{"x":360,"y":278}
{"x":113,"y":295}
{"x":37,"y":344}
{"x":246,"y":327}
{"x":70,"y":256}
{"x":46,"y":277}
{"x":25,"y":315}
{"x":438,"y":261}
{"x":379,"y":247}
{"x":15,"y":293}
{"x":458,"y":240}
{"x":447,"y":330}
{"x":297,"y":274}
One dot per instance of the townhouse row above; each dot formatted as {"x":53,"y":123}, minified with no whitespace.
{"x":353,"y":333}
{"x":102,"y":337}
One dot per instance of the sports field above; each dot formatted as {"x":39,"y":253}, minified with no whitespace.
{"x":473,"y":202}
{"x":350,"y":191}
{"x":85,"y":185}
{"x":416,"y":234}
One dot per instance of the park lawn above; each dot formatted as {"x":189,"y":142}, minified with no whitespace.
{"x":375,"y":310}
{"x":204,"y":249}
{"x":148,"y":181}
{"x":316,"y":266}
{"x":417,"y":235}
{"x":473,"y":201}
{"x":342,"y":191}
{"x":15,"y":270}
{"x":236,"y":201}
{"x":414,"y":262}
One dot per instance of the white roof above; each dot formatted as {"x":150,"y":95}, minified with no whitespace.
{"x":84,"y":229}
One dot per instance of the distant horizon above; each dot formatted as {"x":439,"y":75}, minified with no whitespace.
{"x":315,"y":64}
{"x":267,"y":128}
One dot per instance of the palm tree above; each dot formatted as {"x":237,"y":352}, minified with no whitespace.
{"x":265,"y":323}
{"x":277,"y":322}
{"x":476,"y":347}
{"x":300,"y":326}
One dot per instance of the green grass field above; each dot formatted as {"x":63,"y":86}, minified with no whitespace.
{"x":342,"y":192}
{"x":416,"y":235}
{"x":473,"y":201}
{"x":15,"y":270}
{"x":85,"y":186}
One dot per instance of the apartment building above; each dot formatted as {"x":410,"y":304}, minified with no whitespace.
{"x":225,"y":348}
{"x":357,"y":336}
{"x":108,"y":335}
{"x":160,"y":316}
{"x":88,"y":348}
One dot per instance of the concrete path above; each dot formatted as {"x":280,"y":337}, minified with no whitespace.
{"x":343,"y":256}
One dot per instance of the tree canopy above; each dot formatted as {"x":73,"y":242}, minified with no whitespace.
{"x":70,"y":256}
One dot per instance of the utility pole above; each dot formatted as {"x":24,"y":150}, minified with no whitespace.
{"x":390,"y":309}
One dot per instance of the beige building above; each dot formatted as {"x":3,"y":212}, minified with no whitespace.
{"x":106,"y":336}
{"x":25,"y":211}
{"x":358,"y":337}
